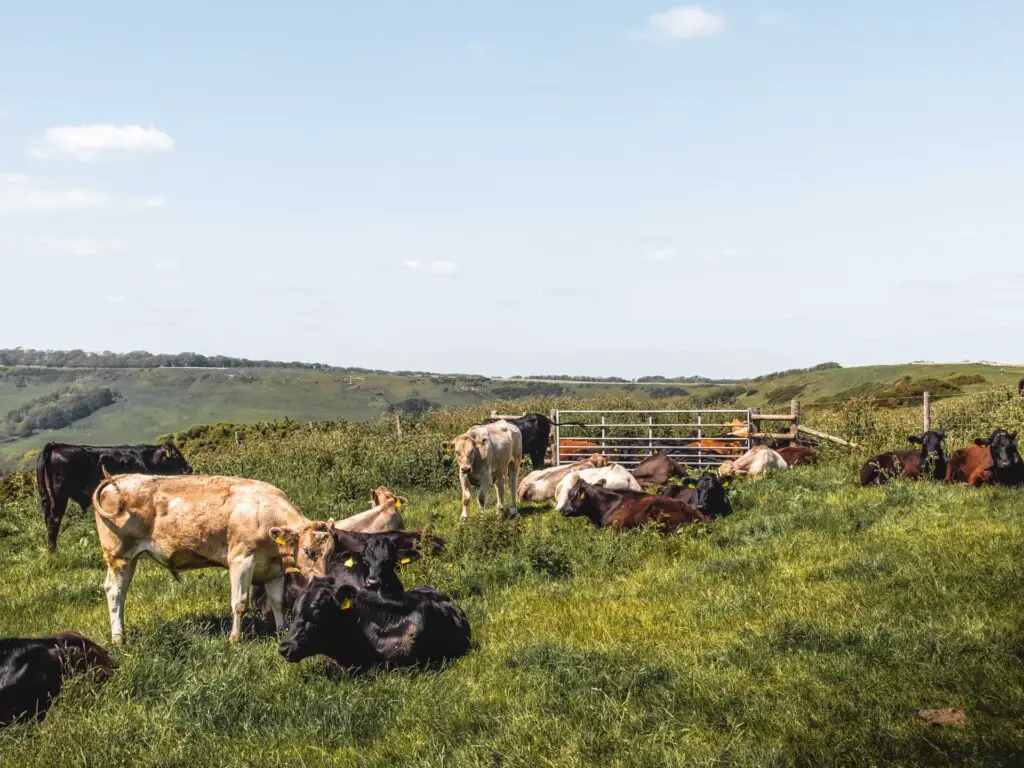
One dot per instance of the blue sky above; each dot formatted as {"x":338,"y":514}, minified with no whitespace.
{"x":601,"y":187}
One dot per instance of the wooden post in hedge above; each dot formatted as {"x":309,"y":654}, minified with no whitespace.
{"x":794,"y":425}
{"x":398,"y":424}
{"x":927,"y":411}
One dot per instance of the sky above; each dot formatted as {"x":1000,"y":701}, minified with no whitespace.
{"x":609,"y":187}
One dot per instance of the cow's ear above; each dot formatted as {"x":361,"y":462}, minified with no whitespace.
{"x":447,"y":446}
{"x":725,"y":482}
{"x":348,"y":558}
{"x":982,"y":441}
{"x":914,"y":440}
{"x":940,"y":434}
{"x":408,"y":555}
{"x":1013,"y":436}
{"x":344,"y":595}
{"x":603,"y":482}
{"x":689,"y":482}
{"x":284,"y":537}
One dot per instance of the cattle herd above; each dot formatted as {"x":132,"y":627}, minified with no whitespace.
{"x":333,"y":587}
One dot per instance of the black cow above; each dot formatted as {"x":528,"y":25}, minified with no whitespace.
{"x":928,"y":461}
{"x":536,"y":431}
{"x":361,"y":629}
{"x":72,"y":472}
{"x":32,"y":672}
{"x":364,"y":560}
{"x":709,"y":494}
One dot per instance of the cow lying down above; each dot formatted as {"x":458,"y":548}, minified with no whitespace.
{"x":358,"y":628}
{"x":32,"y":672}
{"x":628,"y":509}
{"x":614,"y":477}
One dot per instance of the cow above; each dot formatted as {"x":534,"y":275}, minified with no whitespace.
{"x":486,"y":452}
{"x":618,"y":510}
{"x":721,"y":446}
{"x":198,"y":522}
{"x":757,"y":461}
{"x":540,"y":484}
{"x":992,"y":460}
{"x":72,"y":472}
{"x":570,"y":448}
{"x":614,"y":477}
{"x":796,"y":455}
{"x":658,"y":469}
{"x":385,"y":516}
{"x":928,"y":460}
{"x":708,"y":494}
{"x":536,"y":431}
{"x":32,"y":672}
{"x":361,"y":629}
{"x":365,"y":560}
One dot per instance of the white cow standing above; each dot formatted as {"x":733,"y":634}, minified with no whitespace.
{"x":488,"y":452}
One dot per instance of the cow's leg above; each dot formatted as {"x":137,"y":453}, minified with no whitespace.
{"x":240,"y":570}
{"x":500,"y":481}
{"x":481,"y":494}
{"x":275,"y":593}
{"x":513,"y":484}
{"x":466,"y":496}
{"x":53,"y":517}
{"x":119,"y":577}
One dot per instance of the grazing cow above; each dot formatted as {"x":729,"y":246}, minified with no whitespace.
{"x":928,"y":461}
{"x":486,"y":452}
{"x":709,"y":494}
{"x":614,"y":477}
{"x":198,"y":522}
{"x":362,"y":629}
{"x":757,"y":461}
{"x":658,"y":469}
{"x":72,"y":472}
{"x":32,"y":672}
{"x":992,"y":460}
{"x":796,"y":455}
{"x":540,"y":484}
{"x":365,"y":560}
{"x":618,"y":509}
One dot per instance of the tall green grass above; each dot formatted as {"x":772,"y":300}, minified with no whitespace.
{"x":806,"y":629}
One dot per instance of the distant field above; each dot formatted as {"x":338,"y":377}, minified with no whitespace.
{"x":160,"y":400}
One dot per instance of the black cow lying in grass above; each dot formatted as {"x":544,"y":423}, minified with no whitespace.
{"x":628,"y":509}
{"x":709,"y":494}
{"x":32,"y":672}
{"x":362,"y":629}
{"x":364,"y":560}
{"x":926,"y":461}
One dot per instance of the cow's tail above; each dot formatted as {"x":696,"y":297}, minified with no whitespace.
{"x":43,"y":479}
{"x":108,"y":509}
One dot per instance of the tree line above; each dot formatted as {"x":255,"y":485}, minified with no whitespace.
{"x":54,"y":411}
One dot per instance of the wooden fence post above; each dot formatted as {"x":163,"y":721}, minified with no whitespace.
{"x":794,"y":425}
{"x":398,"y":425}
{"x":927,"y":407}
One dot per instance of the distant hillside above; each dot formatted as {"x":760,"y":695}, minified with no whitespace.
{"x":152,"y":398}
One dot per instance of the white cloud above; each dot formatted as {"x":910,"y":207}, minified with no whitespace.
{"x":718,"y":256}
{"x":85,"y":246}
{"x":19,"y":193}
{"x":434,"y":267}
{"x":115,"y":298}
{"x":684,"y":22}
{"x":151,"y":202}
{"x":660,"y":255}
{"x":89,"y":142}
{"x":167,"y":265}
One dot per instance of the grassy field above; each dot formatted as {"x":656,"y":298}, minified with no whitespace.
{"x":806,"y":629}
{"x":158,"y":401}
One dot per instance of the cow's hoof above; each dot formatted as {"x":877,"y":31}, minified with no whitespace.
{"x":234,"y":639}
{"x":117,"y":639}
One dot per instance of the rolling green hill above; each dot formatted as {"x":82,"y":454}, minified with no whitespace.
{"x":154,"y":401}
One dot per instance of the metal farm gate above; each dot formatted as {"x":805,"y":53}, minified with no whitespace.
{"x":701,"y":438}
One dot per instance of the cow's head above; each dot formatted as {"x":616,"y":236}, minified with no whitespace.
{"x":320,"y":620}
{"x":382,"y":494}
{"x":167,"y":460}
{"x":712,"y":496}
{"x":596,"y":460}
{"x":1003,"y":446}
{"x":726,"y":469}
{"x":307,"y":549}
{"x":375,"y":558}
{"x":582,"y":497}
{"x":931,"y":444}
{"x":469,"y":453}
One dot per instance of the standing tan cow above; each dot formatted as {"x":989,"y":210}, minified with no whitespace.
{"x":196,"y":522}
{"x":485,"y":452}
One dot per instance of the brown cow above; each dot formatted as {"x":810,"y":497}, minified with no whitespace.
{"x":994,"y":460}
{"x":628,"y":509}
{"x":197,"y":522}
{"x":926,"y":461}
{"x":568,"y":448}
{"x":796,"y":455}
{"x":658,"y":469}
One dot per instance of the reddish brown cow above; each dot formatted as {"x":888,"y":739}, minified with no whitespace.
{"x":990,"y":461}
{"x":628,"y":509}
{"x":796,"y":455}
{"x":570,"y":449}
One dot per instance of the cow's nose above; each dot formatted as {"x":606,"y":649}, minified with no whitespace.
{"x":372,"y":583}
{"x":464,"y":470}
{"x":285,"y":649}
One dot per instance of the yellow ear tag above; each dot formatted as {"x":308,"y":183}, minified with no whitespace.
{"x":405,"y":560}
{"x":280,"y":540}
{"x":350,"y":562}
{"x":583,"y":494}
{"x":346,"y":604}
{"x":398,"y":503}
